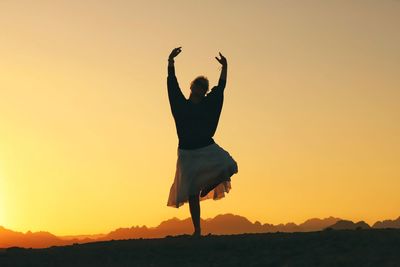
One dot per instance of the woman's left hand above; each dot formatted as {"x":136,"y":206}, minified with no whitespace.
{"x":222,"y":60}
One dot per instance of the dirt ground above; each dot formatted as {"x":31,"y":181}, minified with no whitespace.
{"x":326,"y":248}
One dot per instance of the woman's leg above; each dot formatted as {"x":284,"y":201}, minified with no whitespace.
{"x":194,"y":206}
{"x":208,"y":189}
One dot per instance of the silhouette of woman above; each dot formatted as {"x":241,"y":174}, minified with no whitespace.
{"x":203,"y":168}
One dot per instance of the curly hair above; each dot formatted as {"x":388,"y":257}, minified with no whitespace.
{"x":200,"y":81}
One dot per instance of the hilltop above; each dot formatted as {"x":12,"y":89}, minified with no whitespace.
{"x":373,"y":247}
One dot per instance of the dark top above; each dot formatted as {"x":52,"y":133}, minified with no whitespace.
{"x":196,"y":123}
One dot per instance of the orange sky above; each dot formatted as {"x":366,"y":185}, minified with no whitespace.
{"x":88,"y":144}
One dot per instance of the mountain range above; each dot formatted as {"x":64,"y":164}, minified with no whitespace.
{"x":220,"y":225}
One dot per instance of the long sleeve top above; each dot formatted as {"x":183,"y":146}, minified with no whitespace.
{"x":196,"y":123}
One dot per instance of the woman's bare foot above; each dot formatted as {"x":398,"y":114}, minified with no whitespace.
{"x":196,"y":233}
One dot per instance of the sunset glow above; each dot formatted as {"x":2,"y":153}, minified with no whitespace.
{"x":87,"y":139}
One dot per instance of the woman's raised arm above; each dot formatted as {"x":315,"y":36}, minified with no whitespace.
{"x":224,"y":70}
{"x":176,"y":98}
{"x":171,"y":66}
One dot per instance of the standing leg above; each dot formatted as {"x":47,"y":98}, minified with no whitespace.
{"x":194,"y":206}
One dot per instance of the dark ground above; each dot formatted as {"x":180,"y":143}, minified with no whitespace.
{"x":377,"y":247}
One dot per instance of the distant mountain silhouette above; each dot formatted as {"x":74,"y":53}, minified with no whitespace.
{"x":316,"y":224}
{"x":387,"y":224}
{"x":94,"y":236}
{"x":220,"y":225}
{"x":349,"y":225}
{"x":10,"y":238}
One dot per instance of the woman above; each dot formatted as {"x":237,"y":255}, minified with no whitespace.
{"x":203,"y":168}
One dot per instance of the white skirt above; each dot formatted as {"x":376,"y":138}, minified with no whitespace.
{"x":201,"y":168}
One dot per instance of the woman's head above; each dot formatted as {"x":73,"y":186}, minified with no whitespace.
{"x":199,"y":86}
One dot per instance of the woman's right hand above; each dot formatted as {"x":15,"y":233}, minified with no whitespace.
{"x":175,"y":52}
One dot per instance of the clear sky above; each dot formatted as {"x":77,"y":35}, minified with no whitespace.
{"x":311,"y":111}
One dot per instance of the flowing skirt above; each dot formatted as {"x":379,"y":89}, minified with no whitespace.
{"x":200,"y":169}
